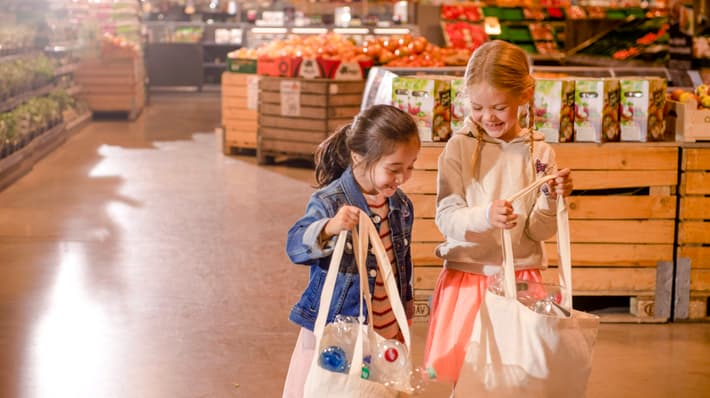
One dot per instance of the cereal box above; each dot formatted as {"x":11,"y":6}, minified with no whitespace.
{"x":596,"y":103}
{"x":460,"y":104}
{"x":430,"y":105}
{"x":643,"y":101}
{"x":400,"y":93}
{"x":554,"y":109}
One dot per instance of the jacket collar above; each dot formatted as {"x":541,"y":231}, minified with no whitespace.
{"x":356,"y":198}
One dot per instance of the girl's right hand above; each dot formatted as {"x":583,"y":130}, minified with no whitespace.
{"x":501,"y":215}
{"x":345,"y":219}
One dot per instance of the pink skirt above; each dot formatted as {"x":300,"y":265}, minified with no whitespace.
{"x":455,"y":303}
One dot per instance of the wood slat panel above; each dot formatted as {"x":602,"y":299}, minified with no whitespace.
{"x":606,"y":179}
{"x":313,"y":112}
{"x":583,"y":254}
{"x":425,"y":230}
{"x":583,"y":231}
{"x":699,"y":281}
{"x":421,"y":182}
{"x":609,"y":254}
{"x":240,"y":124}
{"x":424,"y":181}
{"x":616,"y":156}
{"x":696,"y":158}
{"x":236,"y":102}
{"x":424,"y":205}
{"x":428,"y":158}
{"x":699,"y":255}
{"x":293,"y":123}
{"x":315,"y":86}
{"x":423,"y":254}
{"x":585,"y":281}
{"x":314,"y":99}
{"x":314,"y":138}
{"x":694,"y":208}
{"x":693,"y":232}
{"x":301,"y":148}
{"x":622,"y":207}
{"x":235,"y":79}
{"x":695,"y":183}
{"x":239,"y":113}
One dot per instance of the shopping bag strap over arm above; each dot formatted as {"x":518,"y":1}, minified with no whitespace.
{"x":563,"y":247}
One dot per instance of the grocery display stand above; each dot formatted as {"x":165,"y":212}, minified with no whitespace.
{"x":296,"y":114}
{"x":693,"y":289}
{"x":239,"y":111}
{"x":623,"y":214}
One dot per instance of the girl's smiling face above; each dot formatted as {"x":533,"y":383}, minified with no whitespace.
{"x":496,"y":110}
{"x":389,"y":172}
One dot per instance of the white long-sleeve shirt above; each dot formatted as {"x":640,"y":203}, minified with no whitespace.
{"x":464,"y":197}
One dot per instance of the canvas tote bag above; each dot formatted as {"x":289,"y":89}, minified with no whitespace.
{"x":324,"y":383}
{"x":517,"y":352}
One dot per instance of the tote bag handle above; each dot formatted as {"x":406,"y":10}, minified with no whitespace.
{"x":563,"y":248}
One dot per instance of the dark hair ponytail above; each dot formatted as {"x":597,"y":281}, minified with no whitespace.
{"x":332,"y":157}
{"x":373,"y":133}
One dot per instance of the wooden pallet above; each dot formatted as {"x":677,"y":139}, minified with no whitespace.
{"x":617,"y":238}
{"x":113,"y":85}
{"x":239,"y":111}
{"x":694,"y":225}
{"x":296,"y":114}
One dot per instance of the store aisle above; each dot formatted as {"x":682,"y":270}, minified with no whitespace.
{"x":137,"y":261}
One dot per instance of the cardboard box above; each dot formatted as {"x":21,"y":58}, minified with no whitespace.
{"x":643,"y":102}
{"x":279,"y":66}
{"x":429,"y":103}
{"x":339,"y":70}
{"x":554,"y":109}
{"x":596,"y":103}
{"x":241,"y":65}
{"x":460,"y":104}
{"x":687,"y":123}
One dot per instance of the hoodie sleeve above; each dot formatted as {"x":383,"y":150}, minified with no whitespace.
{"x":542,"y":222}
{"x":454,"y":217}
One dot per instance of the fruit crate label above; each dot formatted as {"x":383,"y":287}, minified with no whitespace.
{"x":290,"y":98}
{"x":252,"y":92}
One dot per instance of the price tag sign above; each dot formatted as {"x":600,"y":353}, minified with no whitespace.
{"x":252,"y":92}
{"x":290,"y":98}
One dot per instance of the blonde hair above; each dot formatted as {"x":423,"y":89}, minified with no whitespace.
{"x":505,"y":67}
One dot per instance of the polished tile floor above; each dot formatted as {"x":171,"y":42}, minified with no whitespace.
{"x":138,"y":261}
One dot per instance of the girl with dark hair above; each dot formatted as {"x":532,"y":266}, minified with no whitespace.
{"x":358,"y":168}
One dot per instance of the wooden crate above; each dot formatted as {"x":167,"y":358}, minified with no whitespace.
{"x":694,"y":225}
{"x":688,"y":123}
{"x":113,"y":85}
{"x":296,"y":114}
{"x":617,"y":237}
{"x":239,"y":115}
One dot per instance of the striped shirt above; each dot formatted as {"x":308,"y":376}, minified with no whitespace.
{"x":383,"y":320}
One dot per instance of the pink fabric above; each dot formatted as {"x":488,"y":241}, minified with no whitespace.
{"x":300,"y":364}
{"x":455,"y":303}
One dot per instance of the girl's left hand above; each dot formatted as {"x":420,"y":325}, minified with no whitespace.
{"x":562,"y":185}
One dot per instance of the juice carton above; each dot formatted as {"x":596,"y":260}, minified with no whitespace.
{"x":430,"y":105}
{"x":643,"y":101}
{"x":596,"y":103}
{"x":554,"y":109}
{"x":460,"y":104}
{"x":400,"y":93}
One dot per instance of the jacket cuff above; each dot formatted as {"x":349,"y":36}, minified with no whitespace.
{"x":312,"y":241}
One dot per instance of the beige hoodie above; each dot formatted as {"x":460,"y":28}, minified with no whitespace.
{"x":463,"y":199}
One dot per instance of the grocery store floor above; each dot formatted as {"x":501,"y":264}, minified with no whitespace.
{"x":138,"y":261}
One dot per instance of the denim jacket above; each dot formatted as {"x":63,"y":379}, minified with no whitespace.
{"x":303,"y":247}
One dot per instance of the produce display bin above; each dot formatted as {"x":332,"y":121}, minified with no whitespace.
{"x":239,"y":111}
{"x":694,"y":229}
{"x":622,"y":221}
{"x":296,"y":114}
